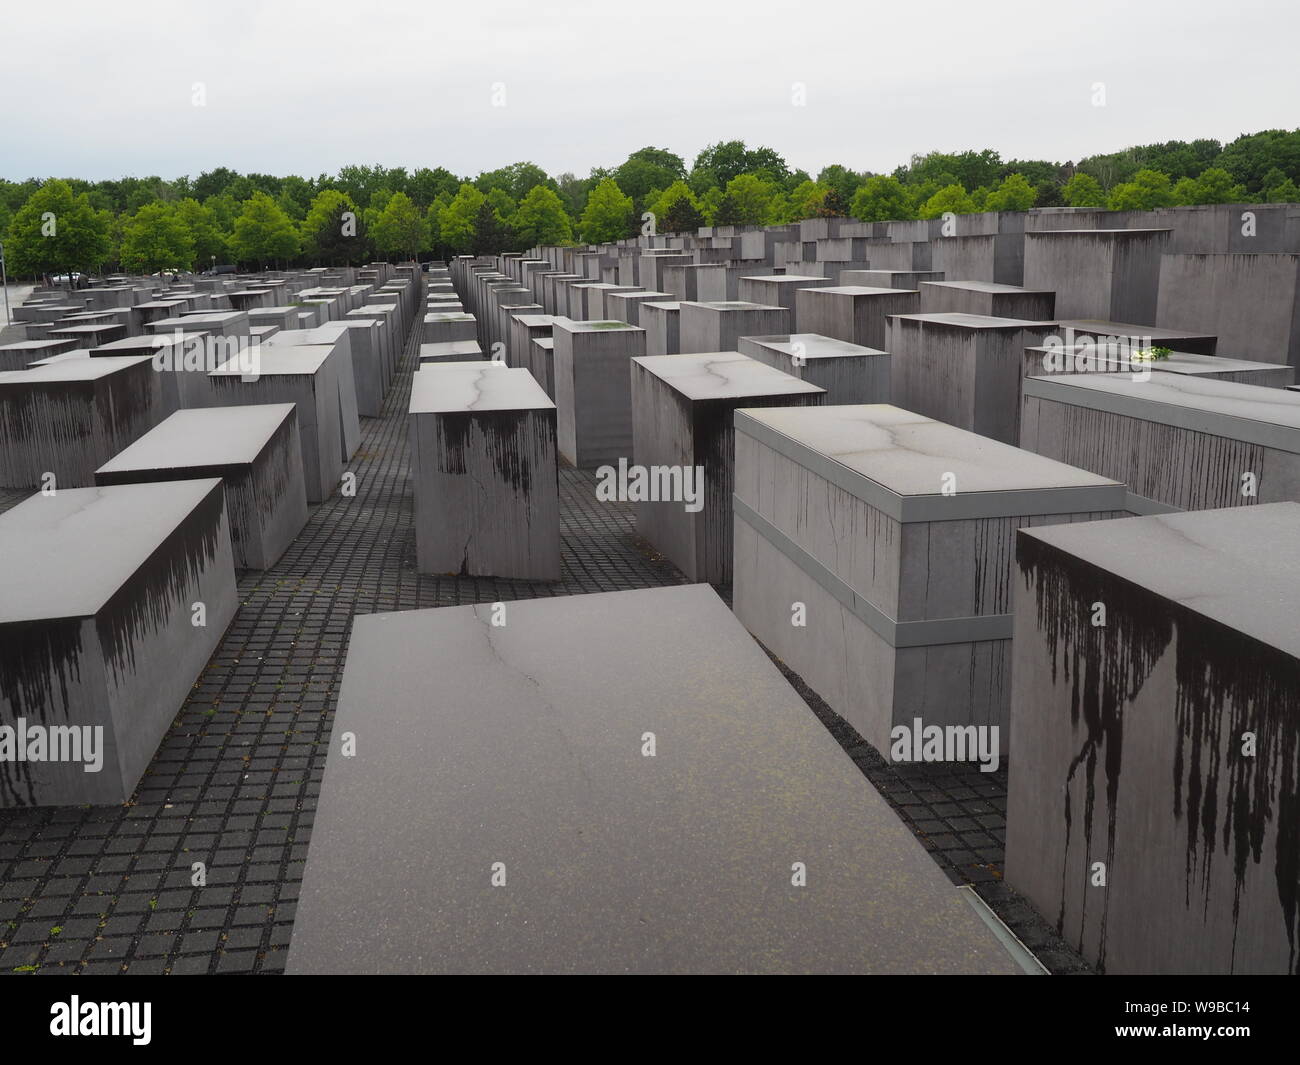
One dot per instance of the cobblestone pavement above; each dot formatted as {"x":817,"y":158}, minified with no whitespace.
{"x":235,"y":781}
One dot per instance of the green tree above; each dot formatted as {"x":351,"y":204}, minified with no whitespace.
{"x":806,"y":200}
{"x":968,"y":169}
{"x":154,"y":239}
{"x":1215,"y":185}
{"x":457,"y":221}
{"x":1083,"y":190}
{"x":608,"y":215}
{"x":427,"y":185}
{"x":1048,"y":194}
{"x":727,"y":212}
{"x":541,"y":219}
{"x":491,"y":232}
{"x":844,"y":181}
{"x":950,"y":198}
{"x":647,"y":170}
{"x":400,"y":230}
{"x":334,"y":232}
{"x":881,"y":199}
{"x":1148,"y":189}
{"x":755,"y":199}
{"x":57,"y":232}
{"x":263,"y":232}
{"x":502,"y":202}
{"x":676,"y":209}
{"x":514,"y":180}
{"x":723,"y":162}
{"x":1014,"y":193}
{"x":209,"y":240}
{"x":1278,"y":188}
{"x":1252,"y":156}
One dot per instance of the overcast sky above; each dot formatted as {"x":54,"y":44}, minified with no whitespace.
{"x":104,"y":89}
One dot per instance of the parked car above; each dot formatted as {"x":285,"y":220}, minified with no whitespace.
{"x":213,"y":271}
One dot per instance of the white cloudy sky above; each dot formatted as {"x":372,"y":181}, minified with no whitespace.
{"x":102,"y":89}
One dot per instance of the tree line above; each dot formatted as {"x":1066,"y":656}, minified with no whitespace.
{"x":149,"y":225}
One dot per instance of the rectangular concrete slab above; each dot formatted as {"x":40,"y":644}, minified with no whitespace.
{"x":256,"y":452}
{"x":1163,"y":743}
{"x":97,"y":627}
{"x":896,"y":532}
{"x":494,"y":750}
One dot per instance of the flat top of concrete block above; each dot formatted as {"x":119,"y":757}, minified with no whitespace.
{"x":640,"y":294}
{"x":1093,"y":232}
{"x":71,"y":366}
{"x":813,"y":346}
{"x":372,"y":310}
{"x":535,"y":321}
{"x":1272,"y":406}
{"x":1130,"y":329}
{"x":1185,"y":362}
{"x":149,"y":342}
{"x":450,"y":316}
{"x":83,"y":330}
{"x":79,"y":353}
{"x":444,"y":348}
{"x":663,"y":305}
{"x":781,"y":278}
{"x":325,"y":333}
{"x":470,"y":387}
{"x":730,"y":305}
{"x":205,"y":437}
{"x":545,"y":342}
{"x":857,"y":290}
{"x":496,"y":743}
{"x":38,"y":345}
{"x":989,"y":286}
{"x":958,"y":320}
{"x":66,"y":555}
{"x":212,"y":316}
{"x":594,"y":326}
{"x":723,"y":375}
{"x":912,"y":455}
{"x":1239,"y":566}
{"x":286,"y":360}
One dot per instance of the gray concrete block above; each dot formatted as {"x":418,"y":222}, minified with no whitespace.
{"x":563,"y":807}
{"x":904,"y":279}
{"x":848,"y":372}
{"x":305,"y":375}
{"x":682,"y":420}
{"x":778,"y":291}
{"x":1250,"y":302}
{"x":852,"y":312}
{"x":662,"y":325}
{"x":256,"y":452}
{"x":1111,"y":274}
{"x":592,"y":389}
{"x":873,"y":555}
{"x":963,"y":369}
{"x":451,"y":351}
{"x":66,"y":418}
{"x":484,"y":474}
{"x":97,"y":633}
{"x":1130,"y":746}
{"x":719,"y":326}
{"x":987,"y":298}
{"x":1180,"y":442}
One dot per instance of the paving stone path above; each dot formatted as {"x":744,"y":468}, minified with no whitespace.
{"x":235,"y":782}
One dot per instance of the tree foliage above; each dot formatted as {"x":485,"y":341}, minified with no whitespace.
{"x":263,"y":232}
